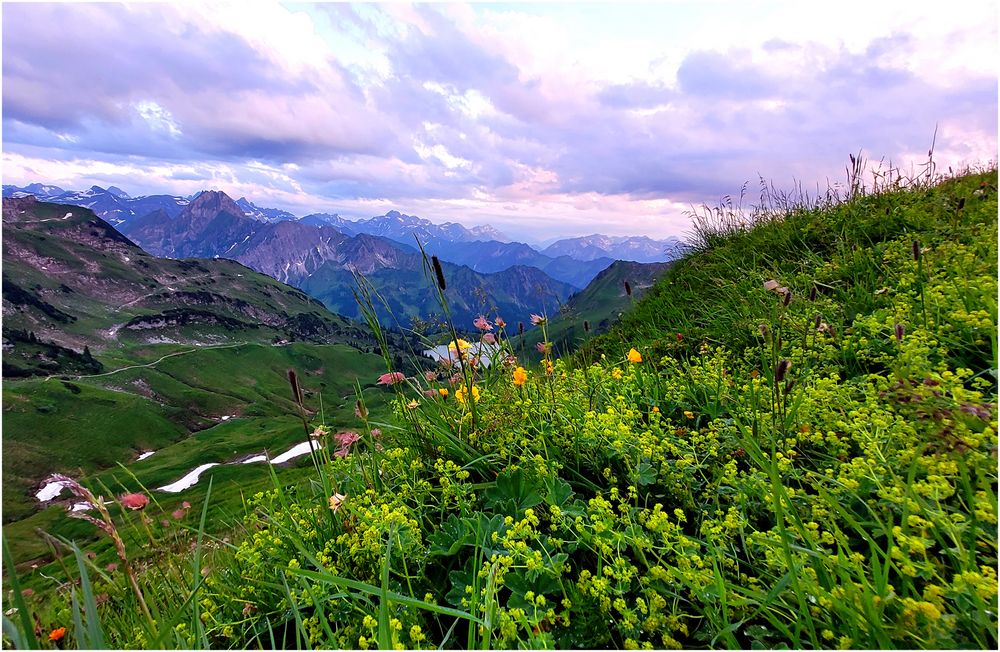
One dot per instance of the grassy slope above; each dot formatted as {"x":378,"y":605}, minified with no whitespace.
{"x":695,"y":500}
{"x":100,"y":282}
{"x":85,"y":425}
{"x":600,"y":304}
{"x":689,"y":431}
{"x":846,"y":253}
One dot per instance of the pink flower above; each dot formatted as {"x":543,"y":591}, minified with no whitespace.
{"x":432,"y":393}
{"x":500,"y":322}
{"x":134,"y":501}
{"x":489,"y":338}
{"x":345,"y":440}
{"x":112,"y":567}
{"x":455,"y":379}
{"x":541,"y":347}
{"x":186,"y":505}
{"x":482,"y":323}
{"x":391,"y":378}
{"x":178,"y":514}
{"x":537,"y":320}
{"x":376,"y":433}
{"x":430,"y":375}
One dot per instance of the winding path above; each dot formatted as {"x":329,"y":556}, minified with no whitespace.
{"x":156,"y":362}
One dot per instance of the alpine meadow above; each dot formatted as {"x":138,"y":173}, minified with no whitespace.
{"x":606,"y":394}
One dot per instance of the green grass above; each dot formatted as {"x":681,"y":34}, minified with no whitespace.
{"x":82,"y":426}
{"x":593,"y":310}
{"x":65,"y":426}
{"x":844,"y":251}
{"x":794,"y":471}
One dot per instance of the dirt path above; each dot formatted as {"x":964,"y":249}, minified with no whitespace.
{"x":156,"y":362}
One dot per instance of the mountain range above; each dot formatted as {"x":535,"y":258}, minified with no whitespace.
{"x":72,"y":282}
{"x":323,"y":261}
{"x":117,"y":207}
{"x":320,"y":253}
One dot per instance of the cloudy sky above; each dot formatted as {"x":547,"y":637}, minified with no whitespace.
{"x":551,"y":119}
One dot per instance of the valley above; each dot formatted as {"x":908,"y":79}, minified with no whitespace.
{"x":121,"y":352}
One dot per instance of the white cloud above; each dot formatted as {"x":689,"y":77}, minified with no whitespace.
{"x":582,"y":117}
{"x":157,"y":117}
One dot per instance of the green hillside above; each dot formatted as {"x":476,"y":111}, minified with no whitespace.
{"x":71,"y":281}
{"x":514,"y":292}
{"x":109,"y":352}
{"x":596,"y":308}
{"x":789,"y":442}
{"x":94,"y":423}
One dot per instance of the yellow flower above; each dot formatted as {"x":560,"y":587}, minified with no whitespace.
{"x":443,"y":391}
{"x":459,"y":351}
{"x":412,"y":404}
{"x":689,"y":414}
{"x":460,"y":394}
{"x":616,"y":373}
{"x":520,"y":376}
{"x":634,"y":356}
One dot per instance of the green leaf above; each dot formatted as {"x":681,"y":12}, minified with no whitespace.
{"x":450,"y":537}
{"x":557,"y":491}
{"x":520,"y":584}
{"x":513,"y":493}
{"x":646,"y":473}
{"x":459,"y":580}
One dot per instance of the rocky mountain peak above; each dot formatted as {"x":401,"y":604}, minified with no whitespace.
{"x":210,"y":203}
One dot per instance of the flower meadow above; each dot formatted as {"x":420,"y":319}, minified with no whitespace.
{"x":790,"y":442}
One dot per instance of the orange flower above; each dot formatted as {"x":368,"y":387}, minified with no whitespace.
{"x":57,"y":634}
{"x":520,"y":376}
{"x":634,"y":356}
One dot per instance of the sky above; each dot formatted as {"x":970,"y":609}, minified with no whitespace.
{"x":544,"y":120}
